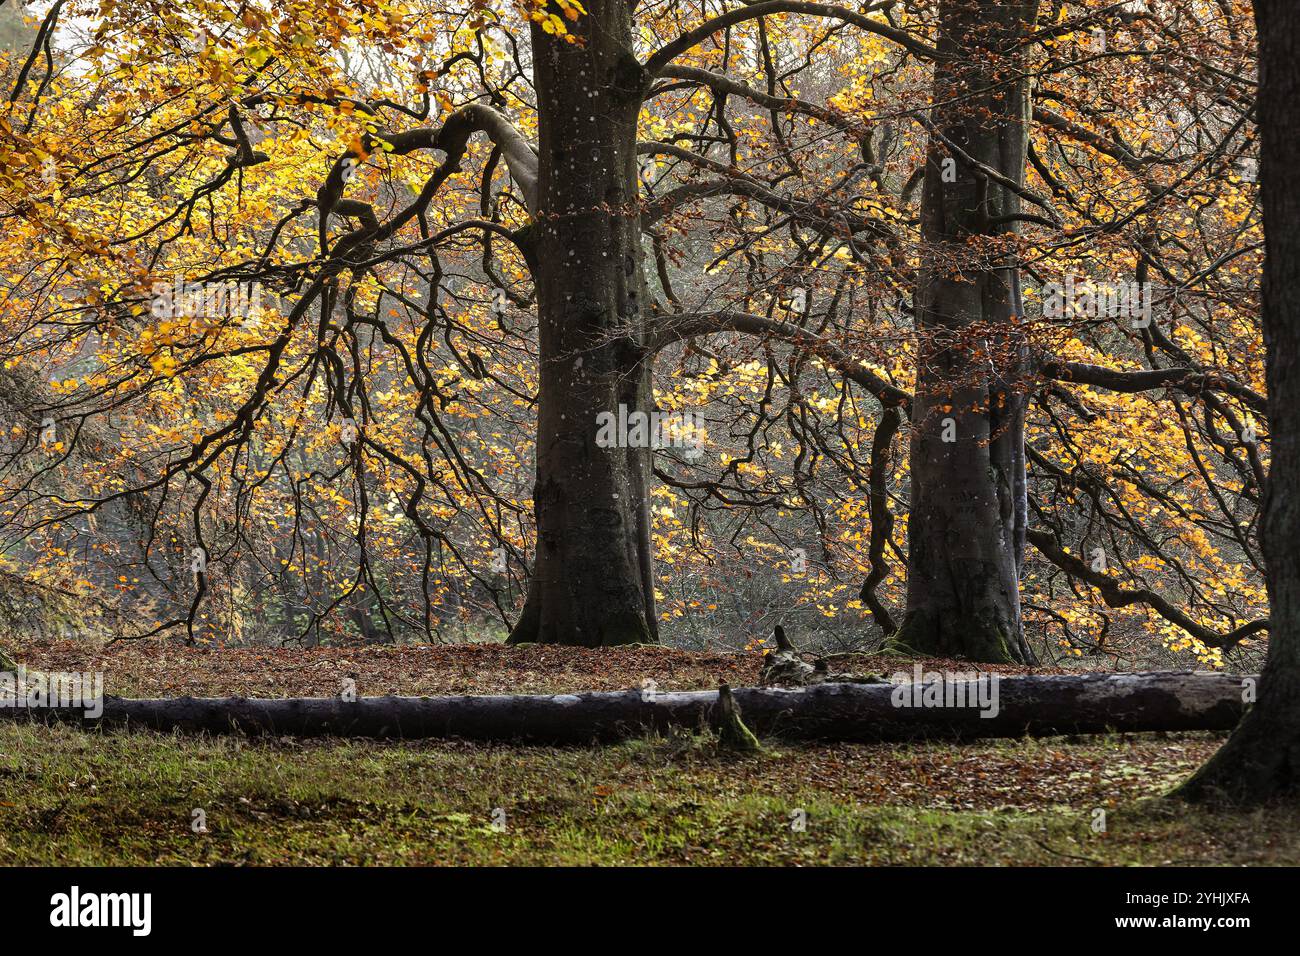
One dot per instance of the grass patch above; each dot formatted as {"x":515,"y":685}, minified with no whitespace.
{"x":70,"y":797}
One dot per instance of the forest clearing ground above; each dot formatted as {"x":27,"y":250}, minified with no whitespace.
{"x":158,"y":668}
{"x":72,"y":797}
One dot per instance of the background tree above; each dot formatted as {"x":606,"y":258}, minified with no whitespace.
{"x":969,"y":513}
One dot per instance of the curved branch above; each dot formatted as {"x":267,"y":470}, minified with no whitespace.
{"x":721,"y":83}
{"x":882,"y":519}
{"x":453,"y":139}
{"x":674,"y":328}
{"x":1187,"y":379}
{"x":1116,"y":596}
{"x":693,"y":38}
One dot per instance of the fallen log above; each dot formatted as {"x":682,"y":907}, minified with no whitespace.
{"x":988,"y":707}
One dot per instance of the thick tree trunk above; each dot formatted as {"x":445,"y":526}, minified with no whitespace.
{"x":592,"y":582}
{"x":1042,"y":706}
{"x":967,"y":517}
{"x":1261,"y":761}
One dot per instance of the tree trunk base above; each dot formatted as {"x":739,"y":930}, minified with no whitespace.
{"x":635,"y":633}
{"x":1259,"y":764}
{"x":579,"y":626}
{"x":963,"y":637}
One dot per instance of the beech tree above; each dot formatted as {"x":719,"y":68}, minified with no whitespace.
{"x":480,"y":229}
{"x":969,"y":509}
{"x":984,"y":359}
{"x":1261,"y":760}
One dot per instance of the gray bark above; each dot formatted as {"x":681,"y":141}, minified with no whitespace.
{"x":967,"y":521}
{"x":592,"y":583}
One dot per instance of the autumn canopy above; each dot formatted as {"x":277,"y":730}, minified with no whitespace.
{"x":947,"y":313}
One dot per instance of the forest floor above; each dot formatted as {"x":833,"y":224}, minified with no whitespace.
{"x":159,"y":668}
{"x":73,"y":797}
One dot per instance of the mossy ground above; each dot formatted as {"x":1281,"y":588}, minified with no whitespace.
{"x":71,"y":797}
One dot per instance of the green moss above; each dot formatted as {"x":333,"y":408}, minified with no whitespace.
{"x":974,"y":639}
{"x":69,"y":797}
{"x":733,"y":735}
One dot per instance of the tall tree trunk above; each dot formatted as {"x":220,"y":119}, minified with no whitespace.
{"x":1261,"y":760}
{"x":592,"y":583}
{"x":967,"y":517}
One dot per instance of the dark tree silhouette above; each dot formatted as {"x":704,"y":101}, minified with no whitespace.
{"x":1261,"y":760}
